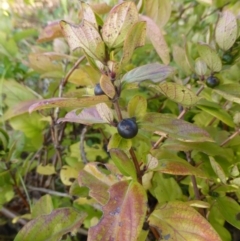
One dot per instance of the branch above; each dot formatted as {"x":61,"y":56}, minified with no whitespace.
{"x":237,"y":132}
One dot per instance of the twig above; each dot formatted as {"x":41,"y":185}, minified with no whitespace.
{"x":81,"y":146}
{"x":9,"y":214}
{"x":48,"y":191}
{"x":136,"y":164}
{"x":237,"y":132}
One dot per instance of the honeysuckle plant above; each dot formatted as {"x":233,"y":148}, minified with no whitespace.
{"x":167,"y":164}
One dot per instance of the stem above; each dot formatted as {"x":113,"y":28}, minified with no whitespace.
{"x":9,"y":214}
{"x":81,"y":146}
{"x":117,"y":109}
{"x":237,"y":132}
{"x":45,"y":190}
{"x":136,"y":164}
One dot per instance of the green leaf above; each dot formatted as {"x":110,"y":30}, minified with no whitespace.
{"x":218,"y":170}
{"x":97,"y":181}
{"x":117,"y":142}
{"x":7,"y":192}
{"x":159,"y":11}
{"x":174,"y":128}
{"x":215,"y":110}
{"x":135,"y":38}
{"x":49,"y":169}
{"x":165,"y":188}
{"x":226,"y":30}
{"x":229,"y":92}
{"x":123,"y":215}
{"x":181,"y":59}
{"x":175,"y":166}
{"x":68,"y":102}
{"x":4,"y":139}
{"x":156,"y":37}
{"x":118,"y":22}
{"x":43,"y":206}
{"x":84,"y":36}
{"x":210,"y":57}
{"x":53,"y":226}
{"x":123,"y":163}
{"x":155,"y":72}
{"x":177,"y":221}
{"x":137,"y":107}
{"x":230,"y":210}
{"x":177,"y":93}
{"x":209,"y":148}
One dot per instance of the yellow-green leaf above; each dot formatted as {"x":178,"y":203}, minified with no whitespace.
{"x":118,"y":22}
{"x":226,"y":30}
{"x":210,"y":57}
{"x":107,"y":86}
{"x":84,"y":36}
{"x":117,"y":141}
{"x":49,"y":169}
{"x":218,"y":170}
{"x":180,"y":57}
{"x":53,"y":226}
{"x":137,"y":107}
{"x":68,"y":175}
{"x":177,"y":221}
{"x":135,"y":38}
{"x":159,"y":11}
{"x":177,"y":93}
{"x":229,"y":91}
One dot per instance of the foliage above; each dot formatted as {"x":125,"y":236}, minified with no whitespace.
{"x":150,"y":61}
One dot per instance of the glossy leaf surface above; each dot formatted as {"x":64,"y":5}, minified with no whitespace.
{"x":123,"y":215}
{"x":177,"y":221}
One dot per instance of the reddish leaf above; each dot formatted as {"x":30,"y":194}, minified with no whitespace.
{"x":175,"y":128}
{"x":68,"y":102}
{"x":155,"y":35}
{"x":176,"y":221}
{"x":173,"y":166}
{"x":123,"y":215}
{"x":87,"y":116}
{"x":97,"y":181}
{"x":50,"y":32}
